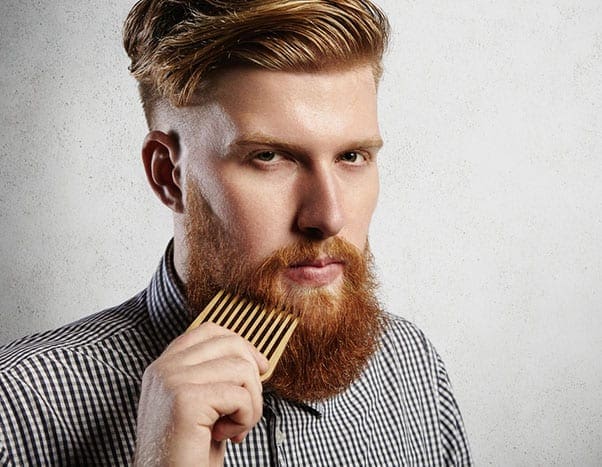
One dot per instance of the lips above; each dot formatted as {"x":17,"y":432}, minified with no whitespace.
{"x":315,"y":273}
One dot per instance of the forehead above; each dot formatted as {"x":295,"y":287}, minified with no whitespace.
{"x":294,"y":104}
{"x":322,"y":111}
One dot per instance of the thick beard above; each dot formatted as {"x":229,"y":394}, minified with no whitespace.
{"x":338,"y":330}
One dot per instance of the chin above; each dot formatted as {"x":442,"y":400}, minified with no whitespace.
{"x":299,"y":295}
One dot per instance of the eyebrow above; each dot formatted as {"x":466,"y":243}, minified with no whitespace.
{"x":260,"y":139}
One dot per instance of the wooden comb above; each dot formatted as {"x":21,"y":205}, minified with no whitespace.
{"x":268,"y":329}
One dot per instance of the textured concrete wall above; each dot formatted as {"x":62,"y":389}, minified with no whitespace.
{"x":487,"y":236}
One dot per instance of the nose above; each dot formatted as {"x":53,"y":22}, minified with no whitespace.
{"x":320,"y":214}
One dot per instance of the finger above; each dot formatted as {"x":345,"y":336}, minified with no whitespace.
{"x":233,"y":371}
{"x":220,"y":401}
{"x":202,"y":333}
{"x":239,"y":438}
{"x":191,"y":430}
{"x":225,"y":428}
{"x":206,"y":332}
{"x":221,"y":345}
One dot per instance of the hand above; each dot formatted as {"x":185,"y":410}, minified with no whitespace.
{"x":202,"y":390}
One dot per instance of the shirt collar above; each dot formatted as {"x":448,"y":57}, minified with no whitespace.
{"x":166,"y":300}
{"x":274,"y":402}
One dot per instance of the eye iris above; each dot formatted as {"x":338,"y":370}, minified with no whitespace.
{"x":266,"y":156}
{"x":350,"y":156}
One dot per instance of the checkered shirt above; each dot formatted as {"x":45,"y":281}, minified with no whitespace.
{"x":69,"y":397}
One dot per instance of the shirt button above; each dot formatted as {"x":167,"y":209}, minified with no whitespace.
{"x":280,"y":437}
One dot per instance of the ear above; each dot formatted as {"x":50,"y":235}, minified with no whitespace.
{"x":161,"y":157}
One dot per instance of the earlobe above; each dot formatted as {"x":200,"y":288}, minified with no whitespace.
{"x":160,"y":155}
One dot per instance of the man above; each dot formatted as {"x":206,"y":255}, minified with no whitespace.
{"x":263,"y":142}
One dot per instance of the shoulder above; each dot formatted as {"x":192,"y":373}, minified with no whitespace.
{"x":93,"y":331}
{"x":400,"y":328}
{"x":58,"y":388}
{"x":408,"y":361}
{"x":420,"y":374}
{"x":403,"y":339}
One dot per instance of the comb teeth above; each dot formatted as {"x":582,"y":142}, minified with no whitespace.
{"x":268,"y":329}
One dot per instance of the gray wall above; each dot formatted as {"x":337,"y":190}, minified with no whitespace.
{"x":487,"y":236}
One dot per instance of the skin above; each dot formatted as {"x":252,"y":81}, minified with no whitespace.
{"x":278,"y":157}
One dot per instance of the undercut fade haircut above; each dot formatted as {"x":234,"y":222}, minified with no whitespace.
{"x":176,"y":47}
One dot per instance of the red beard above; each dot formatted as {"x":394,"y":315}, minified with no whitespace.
{"x":338,"y":329}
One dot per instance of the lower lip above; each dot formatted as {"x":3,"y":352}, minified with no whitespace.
{"x":315,"y":276}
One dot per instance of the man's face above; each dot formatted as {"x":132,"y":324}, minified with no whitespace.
{"x":280,"y":184}
{"x":279,"y":157}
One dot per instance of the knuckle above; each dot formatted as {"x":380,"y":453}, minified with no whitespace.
{"x":243,"y":367}
{"x":179,"y":341}
{"x":214,"y":330}
{"x":209,"y":326}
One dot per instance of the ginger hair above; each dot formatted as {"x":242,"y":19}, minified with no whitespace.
{"x":177,"y":47}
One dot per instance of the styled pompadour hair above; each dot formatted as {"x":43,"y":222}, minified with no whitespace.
{"x":177,"y":46}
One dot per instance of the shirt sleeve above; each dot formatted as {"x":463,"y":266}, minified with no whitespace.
{"x":456,"y":451}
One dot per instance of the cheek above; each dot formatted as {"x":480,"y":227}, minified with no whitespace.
{"x":259,"y":222}
{"x":357,"y":230}
{"x":362,"y":204}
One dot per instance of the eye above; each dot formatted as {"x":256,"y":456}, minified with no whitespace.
{"x":266,"y":156}
{"x":266,"y":159}
{"x":353,"y":157}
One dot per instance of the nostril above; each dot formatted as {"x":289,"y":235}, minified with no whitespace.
{"x":313,"y":232}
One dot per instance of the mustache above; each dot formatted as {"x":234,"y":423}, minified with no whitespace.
{"x":308,"y":251}
{"x":262,"y":282}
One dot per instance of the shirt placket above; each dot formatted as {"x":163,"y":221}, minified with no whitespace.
{"x":276,"y":437}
